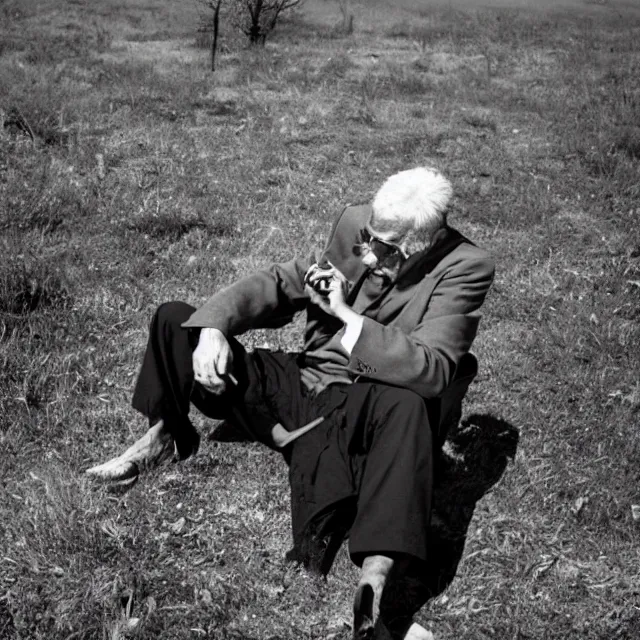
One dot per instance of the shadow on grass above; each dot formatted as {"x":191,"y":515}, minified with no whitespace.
{"x":473,"y":460}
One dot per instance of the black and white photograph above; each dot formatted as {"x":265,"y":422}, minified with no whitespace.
{"x":320,"y":320}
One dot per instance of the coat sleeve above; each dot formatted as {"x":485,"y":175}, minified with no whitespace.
{"x":266,"y":299}
{"x":425,"y":359}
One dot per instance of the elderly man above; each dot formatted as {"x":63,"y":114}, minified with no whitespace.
{"x":392,"y":306}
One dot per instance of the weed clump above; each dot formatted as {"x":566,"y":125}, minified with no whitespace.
{"x":56,"y":543}
{"x":404,"y":82}
{"x":28,"y":287}
{"x":40,"y":208}
{"x":337,"y":66}
{"x":166,"y":225}
{"x":627,"y":141}
{"x":481,"y":119}
{"x":171,"y":225}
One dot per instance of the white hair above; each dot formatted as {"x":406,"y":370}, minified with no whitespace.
{"x":414,"y":199}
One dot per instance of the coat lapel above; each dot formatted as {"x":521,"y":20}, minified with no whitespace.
{"x":414,"y":283}
{"x":412,"y":288}
{"x":424,"y":262}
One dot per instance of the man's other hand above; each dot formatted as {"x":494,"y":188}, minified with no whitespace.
{"x":212,"y":359}
{"x":327,"y":287}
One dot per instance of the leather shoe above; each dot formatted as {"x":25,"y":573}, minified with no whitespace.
{"x":152,"y":449}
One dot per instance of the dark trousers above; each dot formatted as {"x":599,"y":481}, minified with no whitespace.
{"x":373,"y":449}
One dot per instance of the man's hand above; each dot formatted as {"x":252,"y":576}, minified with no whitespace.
{"x":327,"y":287}
{"x":212,"y":359}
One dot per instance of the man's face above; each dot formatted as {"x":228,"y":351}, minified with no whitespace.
{"x":383,"y":249}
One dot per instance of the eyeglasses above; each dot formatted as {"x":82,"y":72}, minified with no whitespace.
{"x":383,"y":250}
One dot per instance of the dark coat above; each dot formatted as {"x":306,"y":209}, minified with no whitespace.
{"x":414,"y":332}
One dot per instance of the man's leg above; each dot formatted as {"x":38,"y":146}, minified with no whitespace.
{"x":155,"y":446}
{"x":405,"y":592}
{"x":163,"y":394}
{"x":418,"y":632}
{"x":395,"y":486}
{"x":376,"y":617}
{"x":165,"y":382}
{"x":366,"y":606}
{"x":165,"y":390}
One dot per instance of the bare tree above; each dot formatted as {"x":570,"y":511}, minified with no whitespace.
{"x":214,"y":40}
{"x":255,"y":18}
{"x":347,"y":17}
{"x":211,"y":24}
{"x":262,"y":16}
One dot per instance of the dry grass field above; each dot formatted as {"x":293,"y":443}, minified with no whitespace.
{"x":149,"y":178}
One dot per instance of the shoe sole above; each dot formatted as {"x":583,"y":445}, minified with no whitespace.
{"x":120,"y":487}
{"x":363,"y":624}
{"x":102,"y":473}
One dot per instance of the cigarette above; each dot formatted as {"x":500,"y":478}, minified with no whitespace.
{"x":232,"y":378}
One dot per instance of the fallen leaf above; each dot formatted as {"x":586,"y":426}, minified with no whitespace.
{"x":177,"y":526}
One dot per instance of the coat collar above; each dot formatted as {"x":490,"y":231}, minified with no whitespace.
{"x":412,"y":272}
{"x":423,"y":262}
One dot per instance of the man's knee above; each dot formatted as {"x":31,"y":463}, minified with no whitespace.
{"x":173,"y":313}
{"x":403,"y":400}
{"x":402,"y":415}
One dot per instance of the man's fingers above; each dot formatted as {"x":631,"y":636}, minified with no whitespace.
{"x":315,"y":273}
{"x":216,"y":390}
{"x":310,"y":272}
{"x":316,"y":298}
{"x":212,"y":359}
{"x":211,"y":382}
{"x":224,"y":362}
{"x":317,"y":282}
{"x":207,"y":377}
{"x":314,"y":277}
{"x":221,"y":365}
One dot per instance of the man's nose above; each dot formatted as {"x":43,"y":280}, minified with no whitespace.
{"x":369,"y":259}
